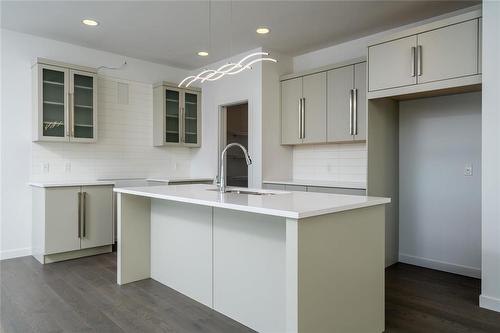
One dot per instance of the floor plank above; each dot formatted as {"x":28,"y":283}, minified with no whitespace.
{"x":82,"y":296}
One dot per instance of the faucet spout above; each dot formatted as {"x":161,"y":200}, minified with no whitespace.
{"x":222,"y":186}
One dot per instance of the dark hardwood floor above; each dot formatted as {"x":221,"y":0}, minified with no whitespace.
{"x":82,"y":296}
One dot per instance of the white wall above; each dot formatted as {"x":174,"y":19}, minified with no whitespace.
{"x":124,"y":147}
{"x":245,"y":86}
{"x":440,"y":207}
{"x":490,"y":284}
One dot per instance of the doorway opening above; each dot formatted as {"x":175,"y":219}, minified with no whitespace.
{"x":234,"y":128}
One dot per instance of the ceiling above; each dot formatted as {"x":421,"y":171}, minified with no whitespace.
{"x":172,"y":32}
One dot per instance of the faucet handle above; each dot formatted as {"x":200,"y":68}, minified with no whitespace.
{"x":216,"y":181}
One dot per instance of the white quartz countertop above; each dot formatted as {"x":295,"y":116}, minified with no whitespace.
{"x":290,"y":204}
{"x":320,"y":183}
{"x":181,"y":179}
{"x":71,"y":183}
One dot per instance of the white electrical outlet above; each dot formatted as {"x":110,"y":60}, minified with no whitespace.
{"x":468,"y":169}
{"x":45,"y":167}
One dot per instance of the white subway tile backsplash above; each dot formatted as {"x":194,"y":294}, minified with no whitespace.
{"x":335,"y":162}
{"x":124,"y":147}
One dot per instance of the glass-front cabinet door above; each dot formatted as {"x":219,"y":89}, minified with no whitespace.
{"x":191,"y":118}
{"x":83,"y":105}
{"x":172,"y":116}
{"x":53,"y":103}
{"x":64,"y":102}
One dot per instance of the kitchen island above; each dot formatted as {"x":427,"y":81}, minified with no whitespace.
{"x":275,"y":261}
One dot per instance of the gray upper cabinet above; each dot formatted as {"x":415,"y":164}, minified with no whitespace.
{"x":314,"y":108}
{"x":177,"y":116}
{"x":328,"y":105}
{"x":303,"y":109}
{"x":291,"y":99}
{"x":436,"y":57}
{"x":65,"y":102}
{"x":392,"y":64}
{"x":346,"y":95}
{"x":448,"y":52}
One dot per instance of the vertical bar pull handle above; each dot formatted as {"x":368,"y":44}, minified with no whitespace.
{"x":300,"y":118}
{"x":355,"y":111}
{"x":84,"y":219}
{"x":303,"y":118}
{"x":350,"y":111}
{"x":419,"y":62}
{"x":413,"y":59}
{"x":79,"y":214}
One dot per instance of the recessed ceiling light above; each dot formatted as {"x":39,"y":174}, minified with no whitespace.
{"x":203,"y":53}
{"x":262,"y":30}
{"x":90,"y":22}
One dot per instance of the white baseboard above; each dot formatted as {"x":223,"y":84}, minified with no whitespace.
{"x":489,"y":303}
{"x":14,"y":253}
{"x":440,"y":265}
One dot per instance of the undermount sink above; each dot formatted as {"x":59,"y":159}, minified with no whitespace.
{"x":238,"y":191}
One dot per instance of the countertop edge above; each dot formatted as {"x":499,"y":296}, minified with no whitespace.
{"x":316,"y":183}
{"x":69,"y":184}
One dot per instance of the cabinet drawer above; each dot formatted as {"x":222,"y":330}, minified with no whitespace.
{"x":448,"y":52}
{"x":391,"y":64}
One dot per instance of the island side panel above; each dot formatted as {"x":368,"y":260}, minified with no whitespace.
{"x":341,"y":271}
{"x":292,"y":276}
{"x":250,"y":269}
{"x":133,"y":238}
{"x":181,"y":248}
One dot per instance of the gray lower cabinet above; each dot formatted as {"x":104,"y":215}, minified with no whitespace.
{"x":336,"y":190}
{"x":319,"y":189}
{"x":71,"y":222}
{"x":346,"y":95}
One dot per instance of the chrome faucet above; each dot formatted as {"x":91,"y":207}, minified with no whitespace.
{"x":222,"y":183}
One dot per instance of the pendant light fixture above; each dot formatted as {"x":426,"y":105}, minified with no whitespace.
{"x":230,"y":68}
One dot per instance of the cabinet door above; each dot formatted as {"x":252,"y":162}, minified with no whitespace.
{"x":172,"y":115}
{"x":291,"y":93}
{"x":340,"y":85}
{"x":392,"y":64}
{"x":97,"y":218}
{"x":53,"y":101}
{"x":448,"y":52}
{"x":361,"y":107}
{"x":191,"y":118}
{"x":61,"y":219}
{"x":314,"y":109}
{"x":83,"y":106}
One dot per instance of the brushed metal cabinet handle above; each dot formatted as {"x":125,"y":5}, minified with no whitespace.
{"x":300,"y":117}
{"x":413,"y":59}
{"x":419,"y":61}
{"x":350,"y":112}
{"x":84,"y":222}
{"x":355,"y":111}
{"x":303,"y":118}
{"x":79,"y":214}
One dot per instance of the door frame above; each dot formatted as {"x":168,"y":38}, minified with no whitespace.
{"x":222,"y":131}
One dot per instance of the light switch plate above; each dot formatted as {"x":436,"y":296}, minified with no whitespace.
{"x":468,"y":169}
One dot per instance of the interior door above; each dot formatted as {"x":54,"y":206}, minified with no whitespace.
{"x":314,"y":109}
{"x":361,"y":106}
{"x":392,"y":64}
{"x":291,"y":93}
{"x":53,"y":103}
{"x":191,"y":118}
{"x":83,"y":106}
{"x":340,"y":85}
{"x":172,"y":115}
{"x":61,"y":219}
{"x":449,"y":52}
{"x":97,"y":216}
